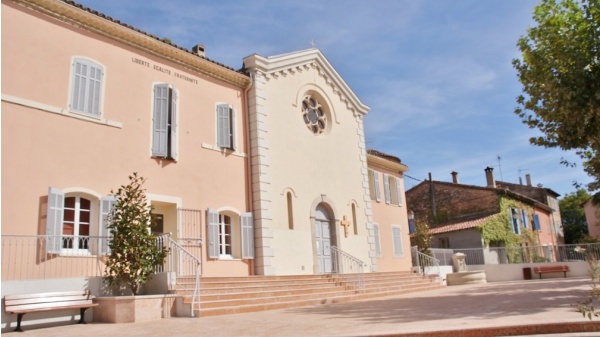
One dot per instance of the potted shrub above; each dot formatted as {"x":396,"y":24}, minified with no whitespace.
{"x":132,"y":260}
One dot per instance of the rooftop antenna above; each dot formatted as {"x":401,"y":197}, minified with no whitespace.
{"x":500,"y":167}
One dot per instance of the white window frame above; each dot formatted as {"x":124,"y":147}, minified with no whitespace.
{"x":226,"y":126}
{"x":241,"y":235}
{"x":100,"y":208}
{"x":91,"y":87}
{"x":397,"y":241}
{"x":374,"y":189}
{"x":167,"y":148}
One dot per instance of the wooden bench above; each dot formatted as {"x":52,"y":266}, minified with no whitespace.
{"x":22,"y":304}
{"x":551,"y":269}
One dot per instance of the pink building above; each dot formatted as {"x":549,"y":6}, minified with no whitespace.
{"x":591,"y":216}
{"x":108,"y":101}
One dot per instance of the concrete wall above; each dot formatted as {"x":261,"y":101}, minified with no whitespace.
{"x":468,"y":238}
{"x":514,"y":272}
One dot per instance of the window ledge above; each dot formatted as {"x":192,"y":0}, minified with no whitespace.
{"x":223,"y":150}
{"x":59,"y":111}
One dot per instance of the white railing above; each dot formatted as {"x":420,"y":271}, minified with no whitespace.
{"x":527,"y":254}
{"x":350,"y":266}
{"x":185,"y":266}
{"x":27,"y":257}
{"x":425,"y":264}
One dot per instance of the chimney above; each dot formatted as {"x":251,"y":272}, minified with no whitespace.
{"x":489,"y":176}
{"x":528,"y":179}
{"x":198,"y":50}
{"x":454,"y":177}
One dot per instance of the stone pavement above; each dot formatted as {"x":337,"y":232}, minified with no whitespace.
{"x":543,"y":307}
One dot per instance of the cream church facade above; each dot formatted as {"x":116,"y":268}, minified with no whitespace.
{"x":258,"y":171}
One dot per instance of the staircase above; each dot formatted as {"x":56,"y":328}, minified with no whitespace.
{"x":231,"y":295}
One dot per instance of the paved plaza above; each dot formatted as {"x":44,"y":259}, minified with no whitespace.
{"x":542,"y":307}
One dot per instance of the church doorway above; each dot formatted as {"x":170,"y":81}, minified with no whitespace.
{"x":323,"y":236}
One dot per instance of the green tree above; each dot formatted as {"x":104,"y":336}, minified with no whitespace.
{"x":422,"y":238}
{"x":134,"y":253}
{"x":560,"y":74}
{"x":572,"y":215}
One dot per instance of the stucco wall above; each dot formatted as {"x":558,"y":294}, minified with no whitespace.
{"x":44,"y":144}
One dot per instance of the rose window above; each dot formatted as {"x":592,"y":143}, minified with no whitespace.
{"x":313,"y":114}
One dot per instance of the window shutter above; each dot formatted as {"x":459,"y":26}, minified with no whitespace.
{"x":54,"y":220}
{"x":79,"y":83}
{"x":233,"y":130}
{"x":377,"y":243}
{"x":106,"y":207}
{"x":371,"y":185}
{"x":95,"y":85}
{"x":536,"y":222}
{"x":376,"y":184}
{"x":159,"y":121}
{"x":525,"y":221}
{"x":399,"y":191}
{"x":386,"y":188}
{"x":247,"y":236}
{"x":397,"y":241}
{"x":174,"y":122}
{"x":223,"y":126}
{"x":213,"y":234}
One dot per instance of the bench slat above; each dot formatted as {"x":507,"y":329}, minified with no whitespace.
{"x":50,"y":294}
{"x":49,"y":306}
{"x":10,"y":302}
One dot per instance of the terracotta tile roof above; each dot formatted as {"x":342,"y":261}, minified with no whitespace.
{"x":457,"y":226}
{"x":106,"y":17}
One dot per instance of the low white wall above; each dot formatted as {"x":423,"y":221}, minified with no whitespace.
{"x":514,"y":272}
{"x":158,"y":285}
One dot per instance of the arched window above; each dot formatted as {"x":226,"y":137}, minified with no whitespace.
{"x":290,"y":210}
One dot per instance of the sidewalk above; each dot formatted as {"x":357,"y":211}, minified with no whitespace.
{"x":493,"y":309}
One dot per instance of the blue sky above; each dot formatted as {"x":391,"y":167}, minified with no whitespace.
{"x":436,"y":74}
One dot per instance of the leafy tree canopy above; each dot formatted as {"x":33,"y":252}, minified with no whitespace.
{"x":560,"y":74}
{"x":573,"y":216}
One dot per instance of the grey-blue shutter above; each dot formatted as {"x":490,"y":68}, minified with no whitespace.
{"x":536,"y":222}
{"x":376,"y":237}
{"x":213,"y":234}
{"x":160,"y":120}
{"x":247,"y":236}
{"x":106,"y":207}
{"x":174,"y":125}
{"x":95,"y":85}
{"x":525,"y":221}
{"x":54,"y":220}
{"x":376,"y":183}
{"x":223,"y":126}
{"x":233,"y":129}
{"x":399,"y":191}
{"x":386,"y":188}
{"x":79,"y":85}
{"x":397,"y":241}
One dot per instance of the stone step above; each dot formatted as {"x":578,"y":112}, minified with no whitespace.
{"x":227,"y":295}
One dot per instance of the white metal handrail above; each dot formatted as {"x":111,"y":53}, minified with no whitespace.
{"x":426,"y":265}
{"x":353,"y":267}
{"x":183,"y":263}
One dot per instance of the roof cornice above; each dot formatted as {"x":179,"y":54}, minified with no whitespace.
{"x":386,"y":163}
{"x":284,"y":64}
{"x":70,"y":13}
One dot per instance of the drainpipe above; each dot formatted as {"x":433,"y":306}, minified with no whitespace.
{"x":249,"y":201}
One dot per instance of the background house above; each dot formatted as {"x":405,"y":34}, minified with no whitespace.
{"x":466,"y":216}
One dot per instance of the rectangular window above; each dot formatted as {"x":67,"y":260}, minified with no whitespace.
{"x":525,"y":220}
{"x":536,"y":223}
{"x":515,"y":222}
{"x":86,"y":87}
{"x":444,"y":242}
{"x":386,"y":188}
{"x":164,"y":122}
{"x":374,"y":185}
{"x":226,"y":127}
{"x":397,"y":238}
{"x":377,"y":242}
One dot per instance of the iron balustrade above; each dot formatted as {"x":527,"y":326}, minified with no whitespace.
{"x":351,"y":267}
